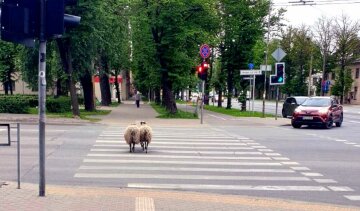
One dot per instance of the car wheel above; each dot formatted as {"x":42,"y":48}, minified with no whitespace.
{"x":329,"y":123}
{"x":296,"y":125}
{"x":339,"y":123}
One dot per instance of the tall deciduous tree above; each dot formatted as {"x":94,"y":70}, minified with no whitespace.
{"x":347,"y":45}
{"x":172,"y":31}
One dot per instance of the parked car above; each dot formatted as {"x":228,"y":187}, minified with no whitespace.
{"x":290,"y":104}
{"x":323,"y":111}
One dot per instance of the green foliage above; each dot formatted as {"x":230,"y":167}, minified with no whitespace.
{"x":16,"y":104}
{"x":164,"y":114}
{"x":339,"y":89}
{"x":58,"y":105}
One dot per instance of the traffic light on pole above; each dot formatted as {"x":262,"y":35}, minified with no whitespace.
{"x":202,"y":70}
{"x":57,"y":20}
{"x":19,"y":21}
{"x":279,"y":77}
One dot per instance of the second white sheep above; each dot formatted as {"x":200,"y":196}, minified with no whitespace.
{"x":145,"y":135}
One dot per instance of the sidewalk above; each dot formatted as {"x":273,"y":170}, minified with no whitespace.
{"x":87,"y":198}
{"x":66,"y":198}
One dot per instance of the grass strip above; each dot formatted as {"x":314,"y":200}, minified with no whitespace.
{"x":83,"y":114}
{"x":164,"y":114}
{"x":236,"y":112}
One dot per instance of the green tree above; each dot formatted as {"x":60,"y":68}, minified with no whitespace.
{"x":8,"y":56}
{"x":346,"y":51}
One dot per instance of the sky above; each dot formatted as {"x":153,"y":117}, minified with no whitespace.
{"x":297,"y":15}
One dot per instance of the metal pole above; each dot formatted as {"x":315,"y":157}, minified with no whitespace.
{"x":253,"y":93}
{"x":277,"y":102}
{"x":266,"y":61}
{"x":202,"y":101}
{"x":310,"y":73}
{"x":18,"y":154}
{"x":250,"y":95}
{"x":42,"y":99}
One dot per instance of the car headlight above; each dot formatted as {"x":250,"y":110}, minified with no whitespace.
{"x":297,"y":110}
{"x":323,"y":111}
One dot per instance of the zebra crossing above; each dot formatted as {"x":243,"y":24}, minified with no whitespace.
{"x":200,"y":159}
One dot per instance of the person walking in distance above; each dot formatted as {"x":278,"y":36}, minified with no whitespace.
{"x":137,"y":99}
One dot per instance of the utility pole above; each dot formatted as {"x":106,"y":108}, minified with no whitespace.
{"x":310,"y":75}
{"x":266,"y":61}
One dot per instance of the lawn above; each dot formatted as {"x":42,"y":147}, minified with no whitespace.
{"x":166,"y":115}
{"x":236,"y":112}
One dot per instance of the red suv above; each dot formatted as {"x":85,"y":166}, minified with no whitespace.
{"x":324,"y":111}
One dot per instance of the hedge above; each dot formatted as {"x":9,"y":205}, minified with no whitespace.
{"x":20,"y":104}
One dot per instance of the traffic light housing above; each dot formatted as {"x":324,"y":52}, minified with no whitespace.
{"x":57,"y":21}
{"x":20,"y":20}
{"x":279,"y":77}
{"x":202,"y":70}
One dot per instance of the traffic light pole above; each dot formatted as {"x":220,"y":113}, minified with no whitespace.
{"x":202,"y":100}
{"x":277,"y":101}
{"x":42,"y":98}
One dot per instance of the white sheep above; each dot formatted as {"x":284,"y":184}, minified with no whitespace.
{"x":145,"y":135}
{"x":132,"y":136}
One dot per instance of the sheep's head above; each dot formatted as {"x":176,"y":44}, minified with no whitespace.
{"x":142,"y":123}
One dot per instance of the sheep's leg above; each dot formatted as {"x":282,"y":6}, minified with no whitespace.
{"x":133,"y":148}
{"x":146,"y":145}
{"x":130,"y":147}
{"x":142,"y":145}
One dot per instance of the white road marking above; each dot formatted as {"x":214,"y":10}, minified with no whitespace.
{"x":145,"y":168}
{"x":350,"y":143}
{"x":356,"y":145}
{"x":280,"y":158}
{"x":311,"y":174}
{"x":265,"y":150}
{"x":144,"y":204}
{"x":227,"y":187}
{"x":231,"y":149}
{"x":132,"y":161}
{"x":340,"y":188}
{"x":325,"y":180}
{"x":259,"y":147}
{"x":188,"y":177}
{"x":217,"y":117}
{"x":180,"y":143}
{"x":341,"y":140}
{"x":300,"y":168}
{"x":272,"y":154}
{"x":177,"y":157}
{"x":252,"y":143}
{"x":353,"y":198}
{"x":357,"y":122}
{"x":290,"y":163}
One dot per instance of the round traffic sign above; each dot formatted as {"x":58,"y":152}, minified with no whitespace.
{"x":205,"y":51}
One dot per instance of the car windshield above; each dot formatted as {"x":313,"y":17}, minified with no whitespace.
{"x":300,"y":100}
{"x":317,"y":102}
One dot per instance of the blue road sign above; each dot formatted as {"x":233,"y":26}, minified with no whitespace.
{"x":205,"y":51}
{"x":251,"y":66}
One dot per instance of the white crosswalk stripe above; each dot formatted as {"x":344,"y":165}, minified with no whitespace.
{"x":198,"y":159}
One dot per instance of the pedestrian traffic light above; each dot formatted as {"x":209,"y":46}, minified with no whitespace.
{"x":57,"y":20}
{"x":202,"y":70}
{"x":19,"y":21}
{"x":279,"y":77}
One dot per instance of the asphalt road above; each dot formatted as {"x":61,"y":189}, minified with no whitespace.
{"x":254,"y":157}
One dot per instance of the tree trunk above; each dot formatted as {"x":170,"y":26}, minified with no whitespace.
{"x":104,"y":82}
{"x":6,"y":87}
{"x":157,"y":96}
{"x":220,"y":98}
{"x":65,"y":55}
{"x":230,"y":87}
{"x":88,"y":89}
{"x":168,"y":97}
{"x":117,"y":87}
